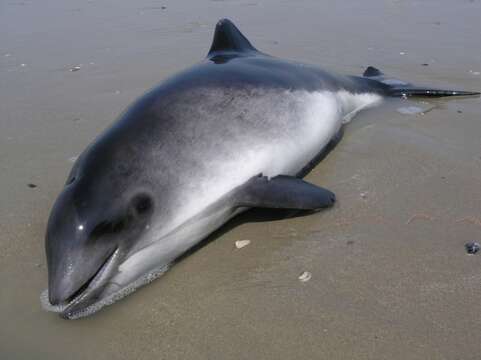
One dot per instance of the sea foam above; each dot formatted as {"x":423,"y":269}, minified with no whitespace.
{"x":108,"y":300}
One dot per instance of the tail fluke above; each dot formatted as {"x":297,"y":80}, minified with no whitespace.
{"x":399,"y":88}
{"x":420,"y":91}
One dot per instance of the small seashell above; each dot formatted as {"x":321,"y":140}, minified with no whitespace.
{"x":242,"y":243}
{"x":305,"y":276}
{"x":75,"y":68}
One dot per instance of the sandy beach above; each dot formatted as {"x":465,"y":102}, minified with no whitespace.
{"x":390,"y":275}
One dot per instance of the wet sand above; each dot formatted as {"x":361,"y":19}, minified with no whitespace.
{"x":390,"y":276}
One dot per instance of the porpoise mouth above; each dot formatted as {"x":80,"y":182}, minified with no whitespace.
{"x":86,"y":294}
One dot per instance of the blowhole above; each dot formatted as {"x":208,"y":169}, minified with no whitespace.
{"x":70,"y":181}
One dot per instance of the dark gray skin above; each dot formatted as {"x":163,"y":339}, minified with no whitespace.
{"x":186,"y":157}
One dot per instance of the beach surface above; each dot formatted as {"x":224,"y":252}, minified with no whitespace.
{"x":389,"y":274}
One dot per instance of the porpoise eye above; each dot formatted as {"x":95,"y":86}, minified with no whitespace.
{"x":142,"y":204}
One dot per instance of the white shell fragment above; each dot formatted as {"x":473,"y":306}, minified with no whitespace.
{"x":305,"y":276}
{"x":242,"y":243}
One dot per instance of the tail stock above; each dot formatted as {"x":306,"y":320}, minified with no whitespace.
{"x":399,"y":88}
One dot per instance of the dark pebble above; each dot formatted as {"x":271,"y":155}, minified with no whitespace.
{"x":350,"y":242}
{"x":460,"y":112}
{"x":31,"y":185}
{"x":472,"y":247}
{"x":163,"y":7}
{"x":425,"y":64}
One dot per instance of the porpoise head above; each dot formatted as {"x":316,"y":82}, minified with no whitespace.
{"x":104,"y":210}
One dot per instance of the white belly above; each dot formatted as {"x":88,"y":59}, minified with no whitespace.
{"x":300,"y":135}
{"x":300,"y":124}
{"x":301,"y":132}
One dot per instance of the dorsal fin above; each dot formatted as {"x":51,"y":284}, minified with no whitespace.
{"x":228,"y":38}
{"x":371,"y":71}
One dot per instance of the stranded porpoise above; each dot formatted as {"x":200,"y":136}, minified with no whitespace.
{"x":236,"y":131}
